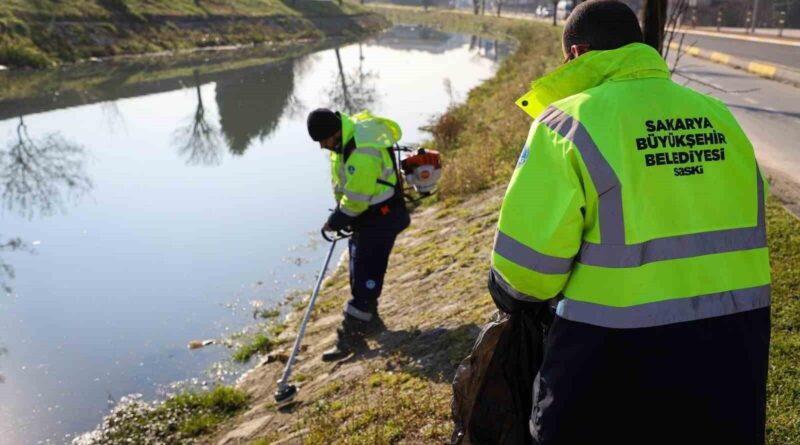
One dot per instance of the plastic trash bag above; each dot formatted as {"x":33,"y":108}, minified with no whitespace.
{"x":493,"y":385}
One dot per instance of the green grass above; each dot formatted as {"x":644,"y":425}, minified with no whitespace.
{"x":36,"y":33}
{"x":61,"y":9}
{"x":260,"y":344}
{"x":783,"y":402}
{"x":177,"y":420}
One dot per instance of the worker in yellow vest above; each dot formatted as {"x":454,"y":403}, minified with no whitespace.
{"x":370,"y":203}
{"x":636,"y":214}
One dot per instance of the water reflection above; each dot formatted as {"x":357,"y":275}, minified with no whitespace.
{"x":251,"y":103}
{"x":355,"y":90}
{"x":35,"y":174}
{"x":7,"y":270}
{"x":199,"y":140}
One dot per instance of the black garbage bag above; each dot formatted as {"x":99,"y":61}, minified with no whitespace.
{"x":493,"y":386}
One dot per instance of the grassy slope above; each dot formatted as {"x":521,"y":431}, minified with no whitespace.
{"x":41,"y":33}
{"x":435,"y":299}
{"x":105,"y":8}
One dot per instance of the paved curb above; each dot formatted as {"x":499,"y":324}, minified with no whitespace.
{"x":762,"y":69}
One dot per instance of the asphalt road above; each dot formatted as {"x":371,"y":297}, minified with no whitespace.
{"x":785,"y":55}
{"x":769,"y":112}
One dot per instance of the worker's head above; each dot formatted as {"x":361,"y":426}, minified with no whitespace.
{"x":599,"y":25}
{"x":325,"y":127}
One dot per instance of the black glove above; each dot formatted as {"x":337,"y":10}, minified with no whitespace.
{"x":338,"y":221}
{"x":508,"y":304}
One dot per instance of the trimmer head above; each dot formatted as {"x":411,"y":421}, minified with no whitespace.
{"x":285,"y":394}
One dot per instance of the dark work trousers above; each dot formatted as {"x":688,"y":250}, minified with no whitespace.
{"x":698,"y":382}
{"x":370,"y":247}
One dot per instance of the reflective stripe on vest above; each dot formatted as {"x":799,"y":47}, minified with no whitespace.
{"x":386,"y":175}
{"x":525,"y":256}
{"x":612,"y":252}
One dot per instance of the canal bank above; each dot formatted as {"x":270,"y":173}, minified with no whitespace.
{"x":435,"y":299}
{"x":48,"y":34}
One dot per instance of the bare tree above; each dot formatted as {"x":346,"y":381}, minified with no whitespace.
{"x":476,"y":6}
{"x":199,"y":140}
{"x":35,"y":174}
{"x":555,"y":12}
{"x":679,"y":8}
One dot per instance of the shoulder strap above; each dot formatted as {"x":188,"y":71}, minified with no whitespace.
{"x":399,"y":185}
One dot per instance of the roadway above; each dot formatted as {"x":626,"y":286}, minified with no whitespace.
{"x":786,"y":53}
{"x":769,"y":112}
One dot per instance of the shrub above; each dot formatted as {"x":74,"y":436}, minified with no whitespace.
{"x":261,"y":344}
{"x":20,"y":56}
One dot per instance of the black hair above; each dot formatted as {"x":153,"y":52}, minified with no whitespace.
{"x":601,"y":24}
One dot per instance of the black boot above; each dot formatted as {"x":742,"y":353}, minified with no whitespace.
{"x":375,"y":325}
{"x":350,"y":340}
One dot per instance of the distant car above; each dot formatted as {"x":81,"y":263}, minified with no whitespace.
{"x":563,"y":9}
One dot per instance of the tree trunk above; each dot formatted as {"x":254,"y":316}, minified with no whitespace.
{"x":654,"y":20}
{"x":555,"y":12}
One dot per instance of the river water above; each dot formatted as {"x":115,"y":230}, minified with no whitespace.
{"x":159,"y":207}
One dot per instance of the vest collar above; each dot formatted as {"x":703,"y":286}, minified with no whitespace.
{"x":348,"y":129}
{"x":633,"y":61}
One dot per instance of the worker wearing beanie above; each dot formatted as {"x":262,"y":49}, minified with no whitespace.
{"x":636,"y":211}
{"x":369,"y":197}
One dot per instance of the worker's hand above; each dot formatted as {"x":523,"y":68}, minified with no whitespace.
{"x":327,"y":228}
